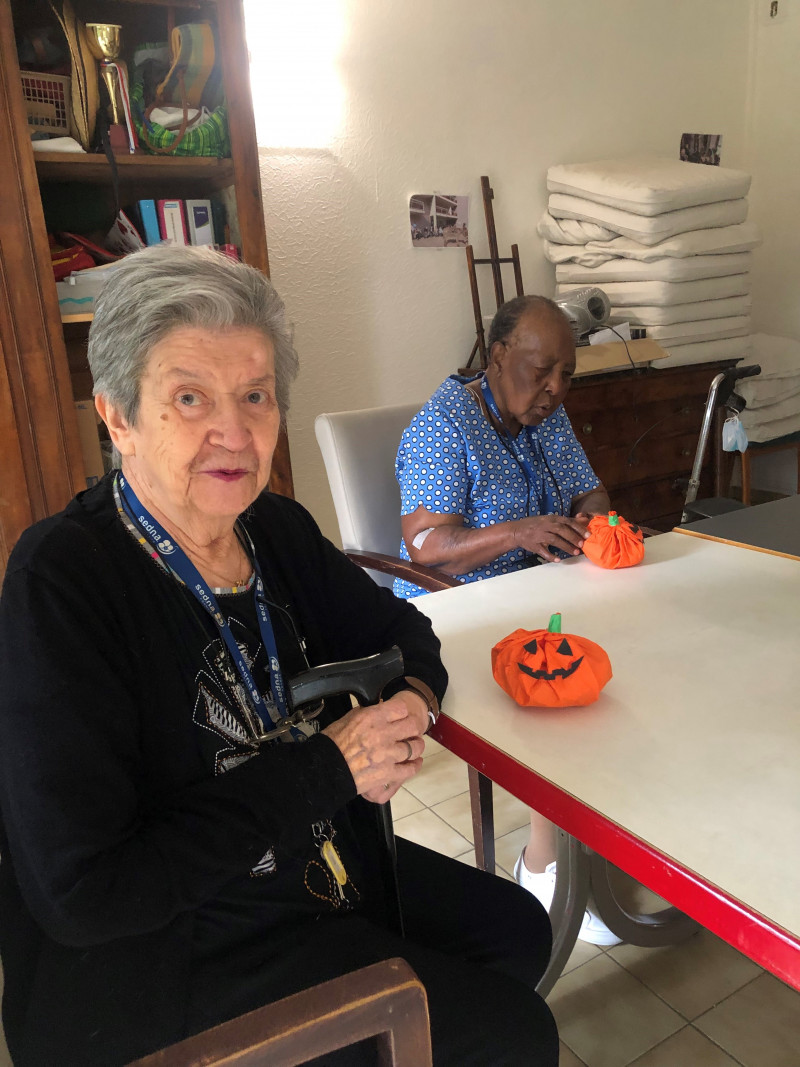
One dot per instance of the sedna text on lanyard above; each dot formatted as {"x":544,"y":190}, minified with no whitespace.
{"x":532,"y":477}
{"x":178,"y":562}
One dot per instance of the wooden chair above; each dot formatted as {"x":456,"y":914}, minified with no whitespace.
{"x":385,"y":1001}
{"x":359,"y":449}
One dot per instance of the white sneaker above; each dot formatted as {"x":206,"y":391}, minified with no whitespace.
{"x":543,"y":887}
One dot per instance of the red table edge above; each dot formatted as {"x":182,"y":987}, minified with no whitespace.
{"x":766,"y":943}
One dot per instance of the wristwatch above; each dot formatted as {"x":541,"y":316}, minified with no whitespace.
{"x":416,"y":685}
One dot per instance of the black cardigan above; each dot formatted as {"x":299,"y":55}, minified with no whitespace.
{"x":112,"y":828}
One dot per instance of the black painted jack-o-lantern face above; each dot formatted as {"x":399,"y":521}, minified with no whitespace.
{"x":563,"y":649}
{"x":545,"y":668}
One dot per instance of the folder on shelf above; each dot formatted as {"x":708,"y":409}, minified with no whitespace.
{"x":198,"y":217}
{"x":149,"y":219}
{"x":171,"y":223}
{"x":219,"y":221}
{"x":123,"y":237}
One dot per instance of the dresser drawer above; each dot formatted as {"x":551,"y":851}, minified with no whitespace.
{"x":654,"y":457}
{"x":594,"y":393}
{"x":608,"y":428}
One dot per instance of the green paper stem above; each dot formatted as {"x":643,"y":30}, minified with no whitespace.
{"x":554,"y":626}
{"x":613,"y":518}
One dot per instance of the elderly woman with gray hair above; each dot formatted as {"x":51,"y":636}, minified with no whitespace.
{"x":179,"y":844}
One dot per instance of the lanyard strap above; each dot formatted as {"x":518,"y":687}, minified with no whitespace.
{"x":532,"y":477}
{"x":186,"y":572}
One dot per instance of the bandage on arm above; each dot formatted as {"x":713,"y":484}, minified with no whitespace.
{"x":442,"y":541}
{"x":419,"y":540}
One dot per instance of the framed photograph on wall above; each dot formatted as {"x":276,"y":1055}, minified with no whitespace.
{"x":701,"y":148}
{"x":438,"y":220}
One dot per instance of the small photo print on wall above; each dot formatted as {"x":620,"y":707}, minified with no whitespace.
{"x":701,"y":148}
{"x":438,"y":220}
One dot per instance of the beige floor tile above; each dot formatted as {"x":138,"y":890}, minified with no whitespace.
{"x":692,"y":976}
{"x":582,"y":953}
{"x":432,"y":748}
{"x":687,"y":1048}
{"x":606,"y":1016}
{"x":403,"y":803}
{"x":457,"y":813}
{"x":759,"y":1025}
{"x":428,"y":829}
{"x":567,"y":1057}
{"x":441,"y":776}
{"x":509,"y":813}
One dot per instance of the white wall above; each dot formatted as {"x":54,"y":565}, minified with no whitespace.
{"x":773,"y":153}
{"x":437,"y":93}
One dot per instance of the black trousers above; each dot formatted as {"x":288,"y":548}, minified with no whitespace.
{"x":479,"y":944}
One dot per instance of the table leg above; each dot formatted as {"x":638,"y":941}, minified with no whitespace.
{"x":573,"y":874}
{"x":481,"y":802}
{"x":579,"y":871}
{"x":665,"y":927}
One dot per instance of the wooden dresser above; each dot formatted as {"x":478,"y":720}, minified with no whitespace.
{"x":640,"y":430}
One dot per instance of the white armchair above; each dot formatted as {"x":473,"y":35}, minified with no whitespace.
{"x":359,"y":449}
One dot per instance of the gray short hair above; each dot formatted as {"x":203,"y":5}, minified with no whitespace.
{"x":508,"y":315}
{"x":160,"y":289}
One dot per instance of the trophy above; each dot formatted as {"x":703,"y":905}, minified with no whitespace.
{"x":104,"y":44}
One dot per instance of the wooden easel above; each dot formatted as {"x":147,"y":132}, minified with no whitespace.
{"x":494,"y":261}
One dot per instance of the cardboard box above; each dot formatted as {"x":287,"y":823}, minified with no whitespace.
{"x":88,"y":421}
{"x":592,"y":359}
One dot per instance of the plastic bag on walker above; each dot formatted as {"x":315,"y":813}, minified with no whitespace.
{"x":734,"y":435}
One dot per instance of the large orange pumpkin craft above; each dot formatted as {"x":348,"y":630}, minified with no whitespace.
{"x":548,"y":669}
{"x":613,"y":542}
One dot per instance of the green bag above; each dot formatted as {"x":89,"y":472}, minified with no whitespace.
{"x":209,"y":138}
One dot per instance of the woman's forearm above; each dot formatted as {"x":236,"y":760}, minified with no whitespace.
{"x":596,"y":502}
{"x":459,"y":549}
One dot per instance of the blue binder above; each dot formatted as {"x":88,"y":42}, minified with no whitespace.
{"x":149,"y":217}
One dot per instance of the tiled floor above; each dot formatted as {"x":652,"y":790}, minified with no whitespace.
{"x":698,"y":1004}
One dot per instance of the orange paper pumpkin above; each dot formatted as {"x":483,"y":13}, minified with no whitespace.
{"x":613,"y":542}
{"x":548,"y":669}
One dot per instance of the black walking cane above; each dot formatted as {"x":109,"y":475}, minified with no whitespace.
{"x":364,"y":679}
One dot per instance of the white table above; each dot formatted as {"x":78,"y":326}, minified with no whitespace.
{"x":686,"y":771}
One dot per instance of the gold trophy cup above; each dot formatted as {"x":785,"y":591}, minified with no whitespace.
{"x":104,"y":44}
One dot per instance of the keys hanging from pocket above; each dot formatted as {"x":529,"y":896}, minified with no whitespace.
{"x":323,"y":835}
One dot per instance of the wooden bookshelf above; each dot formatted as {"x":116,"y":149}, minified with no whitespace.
{"x":95,"y":169}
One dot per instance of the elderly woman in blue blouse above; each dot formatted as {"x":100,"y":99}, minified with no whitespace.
{"x":493,"y":479}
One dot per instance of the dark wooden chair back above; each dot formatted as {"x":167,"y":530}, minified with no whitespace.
{"x":385,"y":1001}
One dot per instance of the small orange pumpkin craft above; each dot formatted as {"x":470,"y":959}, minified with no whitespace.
{"x":548,"y":669}
{"x":613,"y":542}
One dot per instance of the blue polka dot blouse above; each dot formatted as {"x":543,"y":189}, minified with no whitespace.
{"x":452,"y":461}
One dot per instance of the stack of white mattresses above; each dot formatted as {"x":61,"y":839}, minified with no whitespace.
{"x":666,"y":240}
{"x":773,"y":398}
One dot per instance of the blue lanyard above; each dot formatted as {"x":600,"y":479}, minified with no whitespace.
{"x":186,"y":571}
{"x":532,"y":477}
